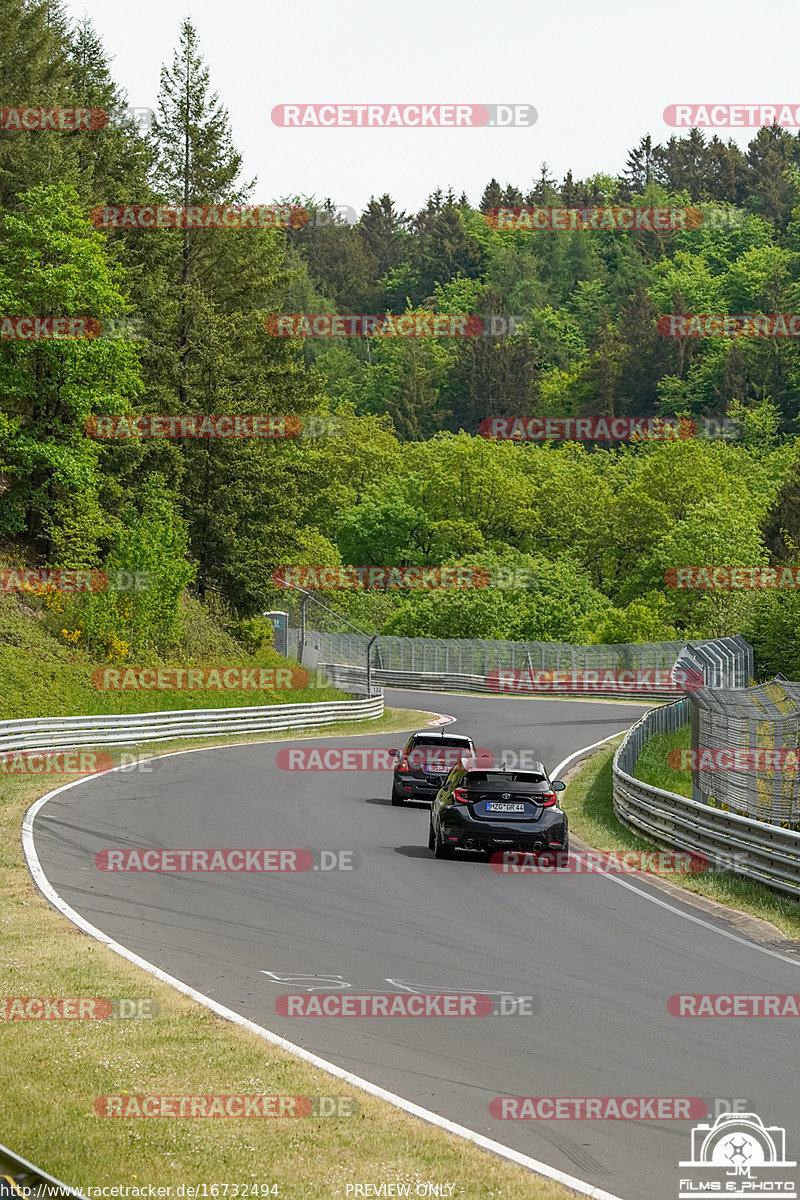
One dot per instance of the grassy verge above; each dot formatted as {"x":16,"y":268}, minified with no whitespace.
{"x":652,"y":766}
{"x":56,"y":1070}
{"x":41,"y":675}
{"x":589,"y":802}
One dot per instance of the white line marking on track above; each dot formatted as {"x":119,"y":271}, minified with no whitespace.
{"x":646,"y":895}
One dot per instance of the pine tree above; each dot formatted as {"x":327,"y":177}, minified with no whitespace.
{"x":383,"y":231}
{"x":195,"y":161}
{"x":544,"y":190}
{"x":569,"y":191}
{"x":770,"y":191}
{"x":113,"y":162}
{"x":726,"y":171}
{"x":492,"y":196}
{"x":512,"y":197}
{"x":213,"y":353}
{"x":639,"y":167}
{"x":33,"y":72}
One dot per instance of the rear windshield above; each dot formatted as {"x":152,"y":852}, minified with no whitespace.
{"x":462,"y":742}
{"x":501,"y":779}
{"x":438,"y":753}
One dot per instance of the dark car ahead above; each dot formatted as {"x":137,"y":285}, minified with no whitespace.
{"x":425,"y":763}
{"x":498,"y":809}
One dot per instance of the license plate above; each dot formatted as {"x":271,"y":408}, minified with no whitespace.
{"x":495,"y":806}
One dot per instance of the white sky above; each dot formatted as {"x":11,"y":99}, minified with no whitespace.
{"x":599,"y":74}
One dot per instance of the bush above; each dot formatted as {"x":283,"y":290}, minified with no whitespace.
{"x":255,"y":633}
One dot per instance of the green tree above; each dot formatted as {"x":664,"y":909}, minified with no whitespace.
{"x":52,"y":264}
{"x":147,"y":571}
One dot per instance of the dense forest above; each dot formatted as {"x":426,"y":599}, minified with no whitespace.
{"x":587,"y":532}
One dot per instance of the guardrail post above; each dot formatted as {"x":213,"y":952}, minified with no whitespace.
{"x":303,"y":603}
{"x":372,"y":642}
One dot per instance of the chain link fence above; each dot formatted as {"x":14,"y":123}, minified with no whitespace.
{"x":723,"y":662}
{"x":756,"y":721}
{"x":732,"y":842}
{"x":473,"y":664}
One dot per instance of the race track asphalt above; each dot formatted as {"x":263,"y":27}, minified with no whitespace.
{"x":601,"y":954}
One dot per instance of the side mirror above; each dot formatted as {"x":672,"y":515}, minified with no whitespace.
{"x":394,"y":751}
{"x":558,"y":785}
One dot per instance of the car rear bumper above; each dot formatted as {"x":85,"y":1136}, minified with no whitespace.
{"x":465,"y":832}
{"x":416,"y":786}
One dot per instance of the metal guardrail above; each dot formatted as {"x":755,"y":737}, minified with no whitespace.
{"x":17,"y":1174}
{"x":755,"y":849}
{"x":51,"y":733}
{"x":344,"y":675}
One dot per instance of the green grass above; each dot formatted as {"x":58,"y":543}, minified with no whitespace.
{"x":589,"y":802}
{"x":653,"y":767}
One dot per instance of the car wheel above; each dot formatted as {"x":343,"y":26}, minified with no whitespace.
{"x":440,"y":848}
{"x":431,"y":836}
{"x":397,"y":799}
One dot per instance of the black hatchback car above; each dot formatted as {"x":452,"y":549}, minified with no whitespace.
{"x":425,"y":763}
{"x":498,"y":809}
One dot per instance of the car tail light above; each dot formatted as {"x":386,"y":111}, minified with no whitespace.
{"x":461,"y":795}
{"x":548,"y":799}
{"x":403,"y":765}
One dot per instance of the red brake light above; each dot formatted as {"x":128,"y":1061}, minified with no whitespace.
{"x":403,"y":764}
{"x":460,"y":794}
{"x":548,"y":799}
